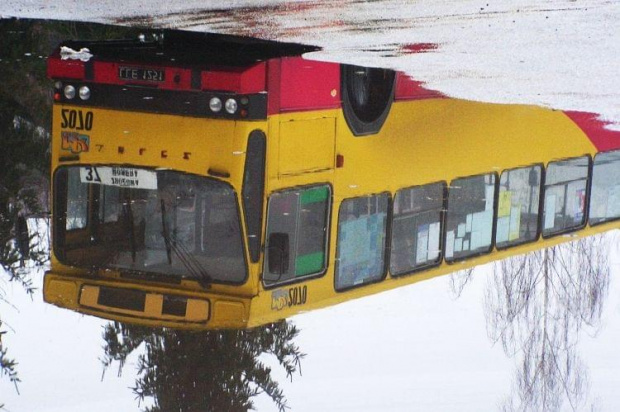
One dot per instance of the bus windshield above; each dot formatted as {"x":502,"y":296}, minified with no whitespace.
{"x":145,"y":221}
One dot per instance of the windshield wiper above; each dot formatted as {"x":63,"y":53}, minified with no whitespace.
{"x":165,"y":233}
{"x":191,"y":263}
{"x":187,"y":259}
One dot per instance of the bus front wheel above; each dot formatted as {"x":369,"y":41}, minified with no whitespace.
{"x":367,"y":95}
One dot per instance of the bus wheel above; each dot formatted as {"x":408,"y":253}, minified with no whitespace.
{"x":367,"y":95}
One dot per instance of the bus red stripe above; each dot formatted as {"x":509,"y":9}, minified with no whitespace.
{"x":409,"y":89}
{"x":597,"y":131}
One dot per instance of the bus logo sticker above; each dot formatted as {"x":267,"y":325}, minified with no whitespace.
{"x":285,"y":298}
{"x":74,"y":142}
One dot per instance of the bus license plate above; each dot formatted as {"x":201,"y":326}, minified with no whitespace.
{"x":141,"y":74}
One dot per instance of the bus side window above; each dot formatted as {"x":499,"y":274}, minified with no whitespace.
{"x":417,"y":228}
{"x":469,"y":222}
{"x":566,"y":184}
{"x":518,"y":205}
{"x":605,"y":197}
{"x":360,"y":256}
{"x":296,"y":245}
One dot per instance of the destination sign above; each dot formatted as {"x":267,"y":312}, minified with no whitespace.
{"x":119,"y":176}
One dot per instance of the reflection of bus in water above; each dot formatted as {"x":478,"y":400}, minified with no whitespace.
{"x":192,"y":190}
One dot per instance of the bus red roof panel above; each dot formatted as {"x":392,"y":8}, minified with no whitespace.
{"x":246,"y":81}
{"x":64,"y":69}
{"x":303,"y":85}
{"x":237,"y":80}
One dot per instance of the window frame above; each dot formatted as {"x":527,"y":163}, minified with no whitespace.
{"x":442,"y":222}
{"x":328,"y":217}
{"x":586,"y":206}
{"x":59,"y":236}
{"x":494,"y":220}
{"x":88,"y":218}
{"x":589,"y":205}
{"x":388,"y":235}
{"x":254,"y":223}
{"x":539,"y":220}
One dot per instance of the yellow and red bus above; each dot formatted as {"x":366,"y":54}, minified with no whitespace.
{"x":195,"y":190}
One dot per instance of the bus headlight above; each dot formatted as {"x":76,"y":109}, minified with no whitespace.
{"x":231,"y":106}
{"x":69,"y":92}
{"x":215,"y":104}
{"x":84,"y":93}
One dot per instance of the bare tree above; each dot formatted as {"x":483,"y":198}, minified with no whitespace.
{"x":536,"y":305}
{"x":458,"y":281}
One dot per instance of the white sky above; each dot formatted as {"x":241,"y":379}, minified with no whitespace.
{"x":416,"y":348}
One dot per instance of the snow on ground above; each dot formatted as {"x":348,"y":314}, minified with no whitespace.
{"x":559,"y":53}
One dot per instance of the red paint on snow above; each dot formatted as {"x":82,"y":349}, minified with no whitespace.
{"x":419,"y":48}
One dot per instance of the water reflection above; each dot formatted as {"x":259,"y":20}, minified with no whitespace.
{"x":204,"y":371}
{"x":536,"y":306}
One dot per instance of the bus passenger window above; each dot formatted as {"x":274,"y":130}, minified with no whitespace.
{"x":518,"y":204}
{"x":416,"y":228}
{"x":469,"y":224}
{"x":296,"y":243}
{"x":361,"y":240}
{"x":566,"y":184}
{"x":605,"y":197}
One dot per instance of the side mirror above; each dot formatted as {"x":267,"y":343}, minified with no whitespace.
{"x":278,"y":253}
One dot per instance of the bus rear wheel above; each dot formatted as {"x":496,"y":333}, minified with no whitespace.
{"x":367,"y":95}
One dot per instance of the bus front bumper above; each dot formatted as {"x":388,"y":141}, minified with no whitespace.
{"x":145,"y":305}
